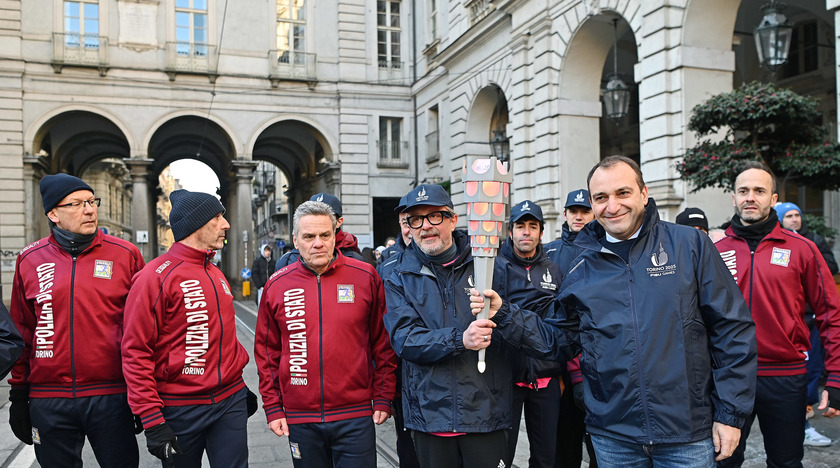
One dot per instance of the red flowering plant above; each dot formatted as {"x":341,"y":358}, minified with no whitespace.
{"x":760,"y":121}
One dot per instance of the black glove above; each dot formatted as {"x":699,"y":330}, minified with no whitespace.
{"x":833,"y":397}
{"x":162,"y":443}
{"x":251,"y":402}
{"x":19,"y":414}
{"x":577,"y":393}
{"x":138,"y":424}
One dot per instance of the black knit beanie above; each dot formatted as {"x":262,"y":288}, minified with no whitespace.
{"x":191,"y":211}
{"x":57,"y":186}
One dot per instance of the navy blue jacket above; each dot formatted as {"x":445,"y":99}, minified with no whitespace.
{"x":562,"y":251}
{"x":531,"y":284}
{"x":428,"y":311}
{"x":668,"y":342}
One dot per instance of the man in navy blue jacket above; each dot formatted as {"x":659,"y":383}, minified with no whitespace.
{"x":527,"y":277}
{"x":668,"y":345}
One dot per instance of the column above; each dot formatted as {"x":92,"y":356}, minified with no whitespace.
{"x":141,"y":219}
{"x":239,"y":217}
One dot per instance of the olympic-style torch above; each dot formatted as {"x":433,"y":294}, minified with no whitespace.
{"x":487,"y":191}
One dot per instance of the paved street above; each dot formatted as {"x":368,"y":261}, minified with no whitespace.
{"x":267,"y":450}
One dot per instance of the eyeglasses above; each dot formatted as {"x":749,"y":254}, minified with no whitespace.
{"x":94,"y":202}
{"x":435,"y":218}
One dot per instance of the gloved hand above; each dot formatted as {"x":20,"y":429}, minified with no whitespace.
{"x":162,"y":443}
{"x":138,"y":424}
{"x":19,"y":414}
{"x":251,"y":402}
{"x":577,"y":393}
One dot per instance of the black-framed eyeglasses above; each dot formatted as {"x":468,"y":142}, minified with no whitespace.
{"x":435,"y":218}
{"x":79,"y":204}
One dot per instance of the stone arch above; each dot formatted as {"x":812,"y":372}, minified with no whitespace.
{"x":579,"y":104}
{"x":228,"y":131}
{"x":34,"y":134}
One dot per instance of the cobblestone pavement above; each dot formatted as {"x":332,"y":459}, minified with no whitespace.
{"x":268,"y":450}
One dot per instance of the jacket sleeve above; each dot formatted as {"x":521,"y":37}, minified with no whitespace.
{"x":821,"y":294}
{"x":11,"y":344}
{"x":143,"y":312}
{"x":544,"y":338}
{"x":731,"y":334}
{"x":268,"y":350}
{"x":23,"y":315}
{"x":411,"y":338}
{"x":385,"y":361}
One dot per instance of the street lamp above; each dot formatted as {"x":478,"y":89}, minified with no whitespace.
{"x":773,"y":36}
{"x":499,"y":145}
{"x":616,"y":93}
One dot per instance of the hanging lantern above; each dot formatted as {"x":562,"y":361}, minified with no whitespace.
{"x":773,"y":36}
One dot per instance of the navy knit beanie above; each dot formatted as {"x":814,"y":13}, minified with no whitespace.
{"x":191,"y":211}
{"x":57,"y":186}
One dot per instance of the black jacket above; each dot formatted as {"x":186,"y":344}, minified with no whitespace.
{"x":668,"y":344}
{"x":821,"y":243}
{"x":261,"y":270}
{"x":11,"y":344}
{"x":563,"y":251}
{"x":531,"y":284}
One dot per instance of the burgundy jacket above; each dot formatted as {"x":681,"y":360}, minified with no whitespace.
{"x":784,"y":274}
{"x":70,"y":314}
{"x":180,"y":346}
{"x":321,"y":348}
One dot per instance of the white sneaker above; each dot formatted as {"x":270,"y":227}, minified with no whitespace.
{"x":815,"y":439}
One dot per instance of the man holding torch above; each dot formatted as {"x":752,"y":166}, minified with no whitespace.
{"x":455,"y":411}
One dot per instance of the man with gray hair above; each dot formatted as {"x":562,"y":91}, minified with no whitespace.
{"x":325,"y":365}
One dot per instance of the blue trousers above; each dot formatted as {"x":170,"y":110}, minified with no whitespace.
{"x":350,"y":443}
{"x":219,"y":428}
{"x":62,"y":424}
{"x":616,"y":453}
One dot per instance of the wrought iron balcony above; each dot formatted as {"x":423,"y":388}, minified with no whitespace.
{"x":290,"y":65}
{"x":191,"y":57}
{"x":83,"y":50}
{"x":432,"y":146}
{"x":392,"y":154}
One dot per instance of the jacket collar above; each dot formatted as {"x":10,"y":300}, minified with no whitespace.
{"x":345,"y":240}
{"x":189,"y":254}
{"x":413,"y":261}
{"x":777,"y":233}
{"x":97,"y":241}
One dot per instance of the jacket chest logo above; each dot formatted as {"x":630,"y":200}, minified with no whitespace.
{"x":346,"y":294}
{"x":780,"y":257}
{"x":103,"y":269}
{"x":659,"y":260}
